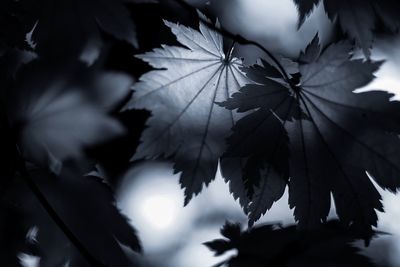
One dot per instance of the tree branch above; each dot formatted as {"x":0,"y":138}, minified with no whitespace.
{"x":21,"y":168}
{"x":55,"y":217}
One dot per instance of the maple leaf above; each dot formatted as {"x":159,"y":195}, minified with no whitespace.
{"x":274,"y":245}
{"x":343,"y":135}
{"x":347,"y":135}
{"x":357,"y":18}
{"x":186,"y":124}
{"x":56,"y":118}
{"x":260,"y":138}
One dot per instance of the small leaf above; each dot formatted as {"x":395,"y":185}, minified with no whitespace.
{"x":219,"y":246}
{"x":231,"y":231}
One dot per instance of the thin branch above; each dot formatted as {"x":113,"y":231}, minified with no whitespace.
{"x":237,"y":38}
{"x":55,"y":217}
{"x":24,"y":173}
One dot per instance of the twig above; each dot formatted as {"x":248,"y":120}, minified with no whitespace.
{"x":238,"y":38}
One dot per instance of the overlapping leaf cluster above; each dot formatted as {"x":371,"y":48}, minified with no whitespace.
{"x":319,"y":137}
{"x":270,"y":128}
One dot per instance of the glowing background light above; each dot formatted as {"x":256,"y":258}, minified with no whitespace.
{"x":160,"y":211}
{"x":173,"y":235}
{"x":152,"y":199}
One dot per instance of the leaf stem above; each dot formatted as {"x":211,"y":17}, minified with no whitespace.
{"x":230,"y":51}
{"x":238,"y":39}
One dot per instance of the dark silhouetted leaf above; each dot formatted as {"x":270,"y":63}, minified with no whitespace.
{"x":357,"y":18}
{"x":272,"y":245}
{"x":305,"y":7}
{"x":346,"y":135}
{"x":341,"y":135}
{"x":260,"y":138}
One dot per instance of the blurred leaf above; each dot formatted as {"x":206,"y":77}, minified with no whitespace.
{"x":58,"y":113}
